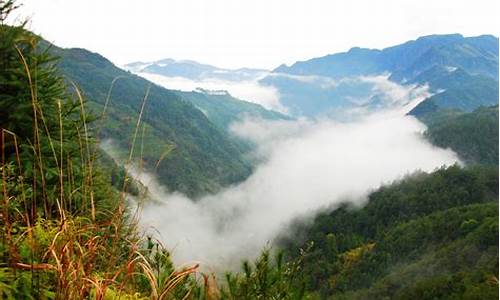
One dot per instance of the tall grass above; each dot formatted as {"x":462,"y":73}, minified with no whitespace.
{"x":84,"y":252}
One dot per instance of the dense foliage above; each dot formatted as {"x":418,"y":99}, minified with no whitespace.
{"x":473,"y":136}
{"x":57,"y":210}
{"x":430,"y":236}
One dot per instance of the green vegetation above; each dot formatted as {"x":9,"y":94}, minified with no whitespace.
{"x":473,"y":136}
{"x":66,"y":231}
{"x":187,"y":151}
{"x":68,"y":234}
{"x":222,"y":109}
{"x":430,"y":236}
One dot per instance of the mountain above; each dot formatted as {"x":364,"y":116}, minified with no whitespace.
{"x":66,"y":230}
{"x":222,"y":109}
{"x":186,"y":150}
{"x":357,"y":61}
{"x":476,"y":55}
{"x":314,"y":96}
{"x":427,"y":236}
{"x":454,"y":88}
{"x":461,"y":72}
{"x":193,"y":70}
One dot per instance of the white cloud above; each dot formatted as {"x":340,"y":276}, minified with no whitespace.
{"x":309,"y":166}
{"x":251,"y":91}
{"x":396,"y":94}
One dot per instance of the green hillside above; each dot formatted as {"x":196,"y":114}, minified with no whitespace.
{"x":68,"y":229}
{"x":222,"y":109}
{"x":474,"y":136}
{"x":187,"y":151}
{"x":430,"y":236}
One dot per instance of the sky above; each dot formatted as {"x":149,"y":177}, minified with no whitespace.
{"x":253,"y":33}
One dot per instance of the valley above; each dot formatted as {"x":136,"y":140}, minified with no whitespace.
{"x":364,"y":174}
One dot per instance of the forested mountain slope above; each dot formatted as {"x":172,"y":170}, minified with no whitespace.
{"x":223,"y":109}
{"x":430,"y":236}
{"x":473,"y":136}
{"x":188,"y":152}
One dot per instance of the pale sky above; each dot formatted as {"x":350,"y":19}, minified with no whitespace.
{"x":251,"y":33}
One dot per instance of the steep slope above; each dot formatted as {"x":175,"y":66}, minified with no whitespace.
{"x":188,"y":152}
{"x":357,"y":61}
{"x":454,"y":88}
{"x":476,"y":55}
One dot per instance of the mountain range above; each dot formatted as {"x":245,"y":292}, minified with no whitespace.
{"x":189,"y":144}
{"x":476,"y":55}
{"x":194,"y":70}
{"x":461,"y":72}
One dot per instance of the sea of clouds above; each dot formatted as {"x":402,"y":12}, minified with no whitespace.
{"x":306,"y":166}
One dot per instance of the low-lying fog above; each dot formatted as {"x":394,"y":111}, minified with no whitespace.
{"x":307,"y":166}
{"x":248,"y":90}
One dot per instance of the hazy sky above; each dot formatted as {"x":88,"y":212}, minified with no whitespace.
{"x":253,"y":33}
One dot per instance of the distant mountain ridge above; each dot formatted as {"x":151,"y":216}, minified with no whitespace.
{"x":462,"y":73}
{"x":194,"y":70}
{"x":476,"y":55}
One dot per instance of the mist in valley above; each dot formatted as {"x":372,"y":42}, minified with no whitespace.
{"x":307,"y":165}
{"x":247,"y":90}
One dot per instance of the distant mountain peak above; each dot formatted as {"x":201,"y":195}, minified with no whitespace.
{"x":450,"y":36}
{"x":194,"y":70}
{"x":211,"y":92}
